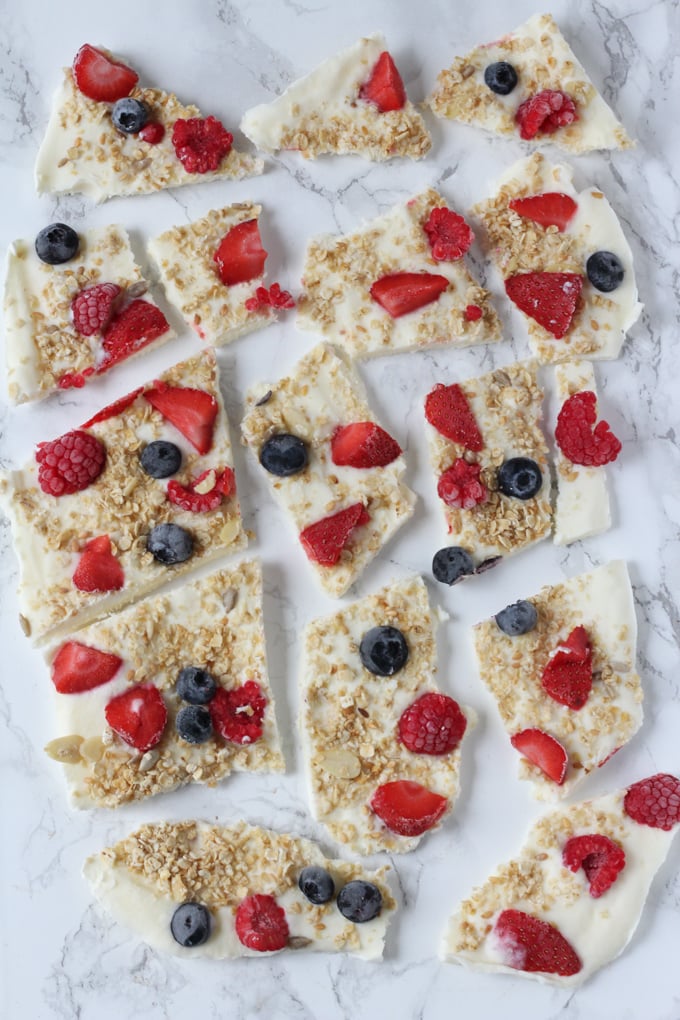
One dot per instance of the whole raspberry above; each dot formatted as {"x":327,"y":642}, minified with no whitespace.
{"x":92,"y":308}
{"x":434,"y":724}
{"x":237,"y":714}
{"x":577,"y":439}
{"x":600,"y":857}
{"x":545,"y":112}
{"x":261,"y":923}
{"x":70,"y":463}
{"x":448,"y":234}
{"x":460,"y":486}
{"x":654,"y":801}
{"x":201,"y":143}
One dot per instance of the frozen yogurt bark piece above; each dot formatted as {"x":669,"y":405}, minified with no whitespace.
{"x":355,"y":102}
{"x":75,"y":319}
{"x":108,"y":136}
{"x":561,"y":668}
{"x":333,"y":469}
{"x":224,"y":892}
{"x":571,"y":900}
{"x":564,"y":259}
{"x":382,"y":744}
{"x":140,"y":493}
{"x":399,"y":283}
{"x":529,"y":84}
{"x":172,"y":690}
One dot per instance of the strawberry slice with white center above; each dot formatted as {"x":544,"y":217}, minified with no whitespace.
{"x":401,"y":293}
{"x":550,"y":299}
{"x":551,"y":209}
{"x":101,"y":78}
{"x":205,"y":493}
{"x":240,"y":256}
{"x":138,"y":716}
{"x":384,"y":88}
{"x":192,"y":412}
{"x":408,"y":808}
{"x":138,"y":324}
{"x":544,"y":751}
{"x":324,"y":540}
{"x":363,"y":445}
{"x":77,"y":667}
{"x":533,"y":945}
{"x":98,"y":569}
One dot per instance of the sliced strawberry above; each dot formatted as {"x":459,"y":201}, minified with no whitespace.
{"x":401,"y":293}
{"x":568,"y":674}
{"x":78,"y":667}
{"x":551,"y":209}
{"x":240,"y":256}
{"x":138,"y":715}
{"x":100,"y":77}
{"x":98,"y":569}
{"x":600,"y":857}
{"x":261,"y":923}
{"x":384,"y":88}
{"x":448,"y":411}
{"x":363,"y":445}
{"x":139,"y":324}
{"x":543,"y":751}
{"x":408,"y":808}
{"x":533,"y":945}
{"x":237,"y":714}
{"x":111,"y":410}
{"x":205,"y":493}
{"x":325,"y":540}
{"x":192,"y":412}
{"x":548,"y":298}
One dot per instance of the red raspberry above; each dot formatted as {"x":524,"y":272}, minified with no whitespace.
{"x":545,"y":112}
{"x":70,"y":463}
{"x":261,"y":924}
{"x":188,"y":497}
{"x":92,"y":308}
{"x":448,"y":234}
{"x":434,"y":724}
{"x":152,"y":133}
{"x":577,"y":439}
{"x":201,"y":143}
{"x":460,"y":486}
{"x":533,"y":945}
{"x":75,"y":380}
{"x":654,"y":801}
{"x":600,"y":857}
{"x":272,"y":298}
{"x":237,"y":714}
{"x":472,"y":313}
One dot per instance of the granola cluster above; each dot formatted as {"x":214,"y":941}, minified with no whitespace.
{"x":377,"y":136}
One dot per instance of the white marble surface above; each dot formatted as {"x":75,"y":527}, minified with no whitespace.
{"x":60,"y":956}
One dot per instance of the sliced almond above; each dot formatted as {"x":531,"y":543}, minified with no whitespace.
{"x":92,"y":749}
{"x":229,"y":596}
{"x":341,"y":764}
{"x":207,"y":484}
{"x":229,"y":530}
{"x":148,"y":760}
{"x":65,"y":749}
{"x":298,"y":942}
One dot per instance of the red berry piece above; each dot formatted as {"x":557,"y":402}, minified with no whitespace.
{"x":600,"y":857}
{"x":384,"y":88}
{"x":100,"y":77}
{"x":237,"y":714}
{"x":401,"y":293}
{"x":448,"y":234}
{"x":568,"y":674}
{"x":654,"y":801}
{"x":543,"y":751}
{"x":205,"y":493}
{"x":550,"y":299}
{"x":272,"y":298}
{"x":363,"y":445}
{"x":98,"y":569}
{"x":551,"y":209}
{"x":433,"y":724}
{"x":408,"y":808}
{"x":138,"y":716}
{"x":579,"y":439}
{"x":448,"y":411}
{"x":70,"y":463}
{"x":545,"y":113}
{"x":240,"y":256}
{"x":261,"y":924}
{"x":325,"y":540}
{"x":139,"y":324}
{"x":92,"y":308}
{"x":75,"y":380}
{"x":192,"y":412}
{"x":533,"y":945}
{"x":78,"y":668}
{"x":152,"y":133}
{"x":460,"y":486}
{"x":472,"y":313}
{"x":111,"y":410}
{"x":201,"y":144}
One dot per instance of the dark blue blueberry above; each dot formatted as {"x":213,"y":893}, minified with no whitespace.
{"x":520,"y":477}
{"x":56,"y":244}
{"x":452,"y":564}
{"x":501,"y":77}
{"x":284,"y":455}
{"x":195,"y":685}
{"x":194,"y":724}
{"x":191,"y":924}
{"x":605,"y":271}
{"x":316,"y":884}
{"x":519,"y":618}
{"x":161,"y":459}
{"x":168,"y":543}
{"x":130,"y":115}
{"x":383,"y":650}
{"x":359,"y":901}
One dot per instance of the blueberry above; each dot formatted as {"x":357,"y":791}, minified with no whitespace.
{"x":451,"y":564}
{"x":194,"y":724}
{"x":519,"y":618}
{"x":359,"y":901}
{"x":191,"y":924}
{"x":168,"y":543}
{"x":284,"y":455}
{"x":161,"y":459}
{"x":605,"y":271}
{"x":56,"y":244}
{"x":383,"y":650}
{"x":501,"y":78}
{"x":520,"y":477}
{"x":316,"y":884}
{"x":195,"y":685}
{"x":130,"y":115}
